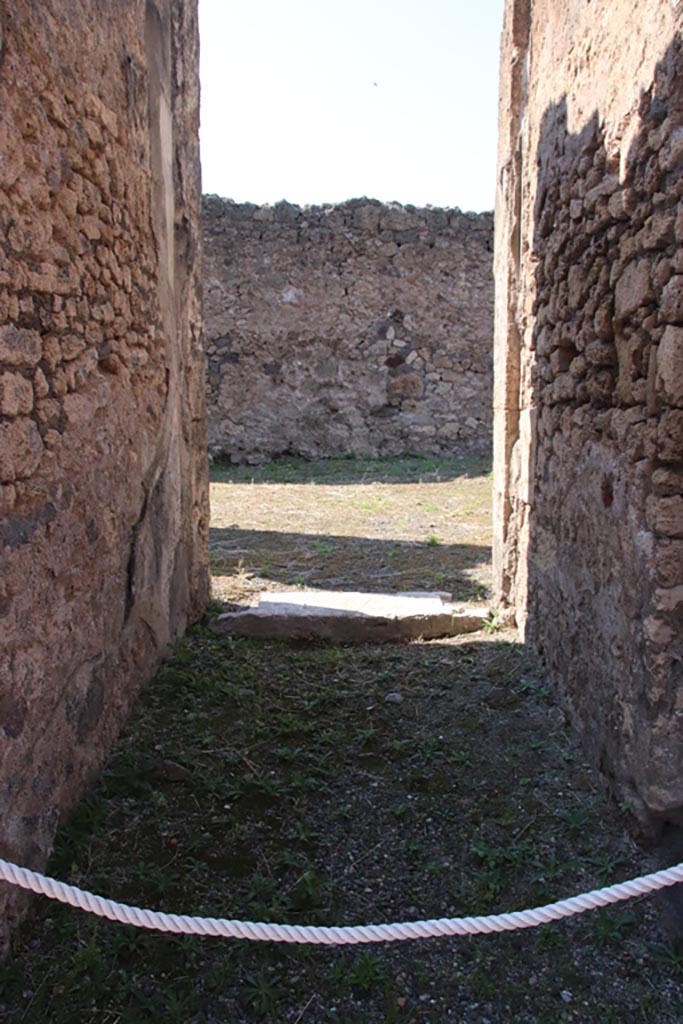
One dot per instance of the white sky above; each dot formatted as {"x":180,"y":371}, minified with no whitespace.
{"x":317,"y":101}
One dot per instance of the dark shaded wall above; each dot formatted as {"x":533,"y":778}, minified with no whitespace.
{"x":589,"y":374}
{"x":103,"y":489}
{"x":363,"y":328}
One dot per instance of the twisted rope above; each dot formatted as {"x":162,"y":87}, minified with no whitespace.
{"x":181,"y":924}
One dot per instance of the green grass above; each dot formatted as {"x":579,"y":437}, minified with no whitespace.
{"x":274,"y":782}
{"x":405,"y":469}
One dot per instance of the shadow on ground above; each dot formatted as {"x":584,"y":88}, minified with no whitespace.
{"x":245,"y":560}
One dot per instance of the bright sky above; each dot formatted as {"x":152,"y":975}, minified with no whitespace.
{"x":318,"y":101}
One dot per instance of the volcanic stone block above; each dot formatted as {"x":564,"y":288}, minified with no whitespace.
{"x":350,"y":617}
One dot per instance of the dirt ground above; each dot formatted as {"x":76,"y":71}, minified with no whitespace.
{"x":343,"y":785}
{"x":345,"y":524}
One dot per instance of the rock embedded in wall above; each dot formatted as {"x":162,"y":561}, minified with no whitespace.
{"x":363,"y":328}
{"x":103,"y":491}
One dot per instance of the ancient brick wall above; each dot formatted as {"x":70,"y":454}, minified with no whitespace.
{"x":589,"y":373}
{"x":103,"y":493}
{"x":360,"y":328}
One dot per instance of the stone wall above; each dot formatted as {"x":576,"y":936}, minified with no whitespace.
{"x":589,"y":373}
{"x":103,"y":490}
{"x":361,"y":328}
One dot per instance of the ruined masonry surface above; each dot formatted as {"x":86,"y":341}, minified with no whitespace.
{"x":589,"y":373}
{"x":363,"y":328}
{"x":103,"y":492}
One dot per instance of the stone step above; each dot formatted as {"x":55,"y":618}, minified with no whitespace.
{"x":351,"y":617}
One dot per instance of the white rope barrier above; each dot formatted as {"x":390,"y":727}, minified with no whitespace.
{"x":182,"y":924}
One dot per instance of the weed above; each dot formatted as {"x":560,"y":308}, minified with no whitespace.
{"x":483,"y":979}
{"x":606,"y":865}
{"x":529,"y":686}
{"x":397,"y":746}
{"x":493,"y":622}
{"x":213,"y":608}
{"x":668,"y":955}
{"x":461,"y":758}
{"x":401,"y":811}
{"x":414,"y":850}
{"x":365,"y":735}
{"x":431,"y":748}
{"x":323,"y":547}
{"x":262,"y":993}
{"x":73,"y":842}
{"x":364,"y":974}
{"x":612,"y":926}
{"x":551,"y":938}
{"x":549,"y":866}
{"x":576,"y":820}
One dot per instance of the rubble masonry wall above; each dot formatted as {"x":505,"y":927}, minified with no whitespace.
{"x":588,"y":390}
{"x":103,"y":489}
{"x":363,"y":328}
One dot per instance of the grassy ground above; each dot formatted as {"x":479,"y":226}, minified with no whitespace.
{"x":379,"y":525}
{"x":322,"y":784}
